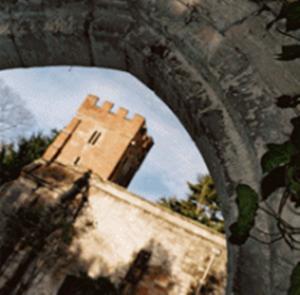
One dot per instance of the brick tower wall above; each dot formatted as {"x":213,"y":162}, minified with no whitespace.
{"x":109,"y":144}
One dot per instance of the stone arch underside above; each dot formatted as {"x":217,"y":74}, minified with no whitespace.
{"x":212,"y":61}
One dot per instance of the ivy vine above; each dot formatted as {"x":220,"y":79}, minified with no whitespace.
{"x":281,"y":170}
{"x":295,"y":281}
{"x":290,"y":13}
{"x":281,"y":174}
{"x":281,"y":162}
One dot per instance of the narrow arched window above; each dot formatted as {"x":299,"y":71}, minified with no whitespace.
{"x":76,"y":160}
{"x":94,"y":137}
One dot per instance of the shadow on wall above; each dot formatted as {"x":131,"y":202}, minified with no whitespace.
{"x":35,"y":234}
{"x":213,"y":286}
{"x":35,"y":242}
{"x":139,"y":277}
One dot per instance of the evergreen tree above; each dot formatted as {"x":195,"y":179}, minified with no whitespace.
{"x":14,"y":157}
{"x":201,"y":204}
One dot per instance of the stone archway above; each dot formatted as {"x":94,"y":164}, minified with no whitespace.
{"x":212,"y":62}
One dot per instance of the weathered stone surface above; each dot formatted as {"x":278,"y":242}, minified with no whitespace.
{"x":109,"y":233}
{"x":118,"y":143}
{"x":213,"y":62}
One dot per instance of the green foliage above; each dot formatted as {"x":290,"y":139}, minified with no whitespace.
{"x":295,"y":136}
{"x":201,"y":204}
{"x":274,"y":180}
{"x":277,"y":155}
{"x":281,"y":163}
{"x":290,"y":13}
{"x":295,"y":281}
{"x":287,"y":101}
{"x":281,"y":168}
{"x":247,"y":202}
{"x":289,"y":52}
{"x":14,"y":158}
{"x":204,"y":193}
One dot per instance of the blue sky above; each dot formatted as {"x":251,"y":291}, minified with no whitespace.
{"x":53,"y":95}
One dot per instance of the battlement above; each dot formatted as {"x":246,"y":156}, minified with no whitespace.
{"x":90,"y":107}
{"x":105,"y":142}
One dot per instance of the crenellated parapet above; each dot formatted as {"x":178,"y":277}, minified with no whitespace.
{"x":91,"y":108}
{"x":106,"y":142}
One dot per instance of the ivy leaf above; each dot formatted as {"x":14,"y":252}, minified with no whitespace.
{"x":247,"y":201}
{"x":289,"y":52}
{"x":278,"y":155}
{"x":293,"y":182}
{"x":287,"y":101}
{"x":295,"y":281}
{"x":295,"y":136}
{"x":273,"y":181}
{"x":292,"y":14}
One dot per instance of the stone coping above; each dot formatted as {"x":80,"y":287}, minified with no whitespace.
{"x":159,"y":211}
{"x":122,"y":194}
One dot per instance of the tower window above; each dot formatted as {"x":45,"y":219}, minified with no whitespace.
{"x":76,"y":160}
{"x":94,"y":137}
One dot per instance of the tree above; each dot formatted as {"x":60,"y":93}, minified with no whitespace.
{"x":201,"y":204}
{"x":14,"y":157}
{"x":15,"y":119}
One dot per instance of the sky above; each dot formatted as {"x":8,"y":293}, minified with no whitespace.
{"x":53,"y":94}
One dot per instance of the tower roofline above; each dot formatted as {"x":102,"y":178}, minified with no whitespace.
{"x":90,"y":105}
{"x":105,"y":142}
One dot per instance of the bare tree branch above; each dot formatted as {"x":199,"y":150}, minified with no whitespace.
{"x":15,"y":118}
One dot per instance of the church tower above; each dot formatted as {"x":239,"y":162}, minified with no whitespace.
{"x":109,"y":144}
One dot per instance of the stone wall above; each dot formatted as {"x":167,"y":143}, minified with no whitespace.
{"x":214,"y":62}
{"x":140,"y":246}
